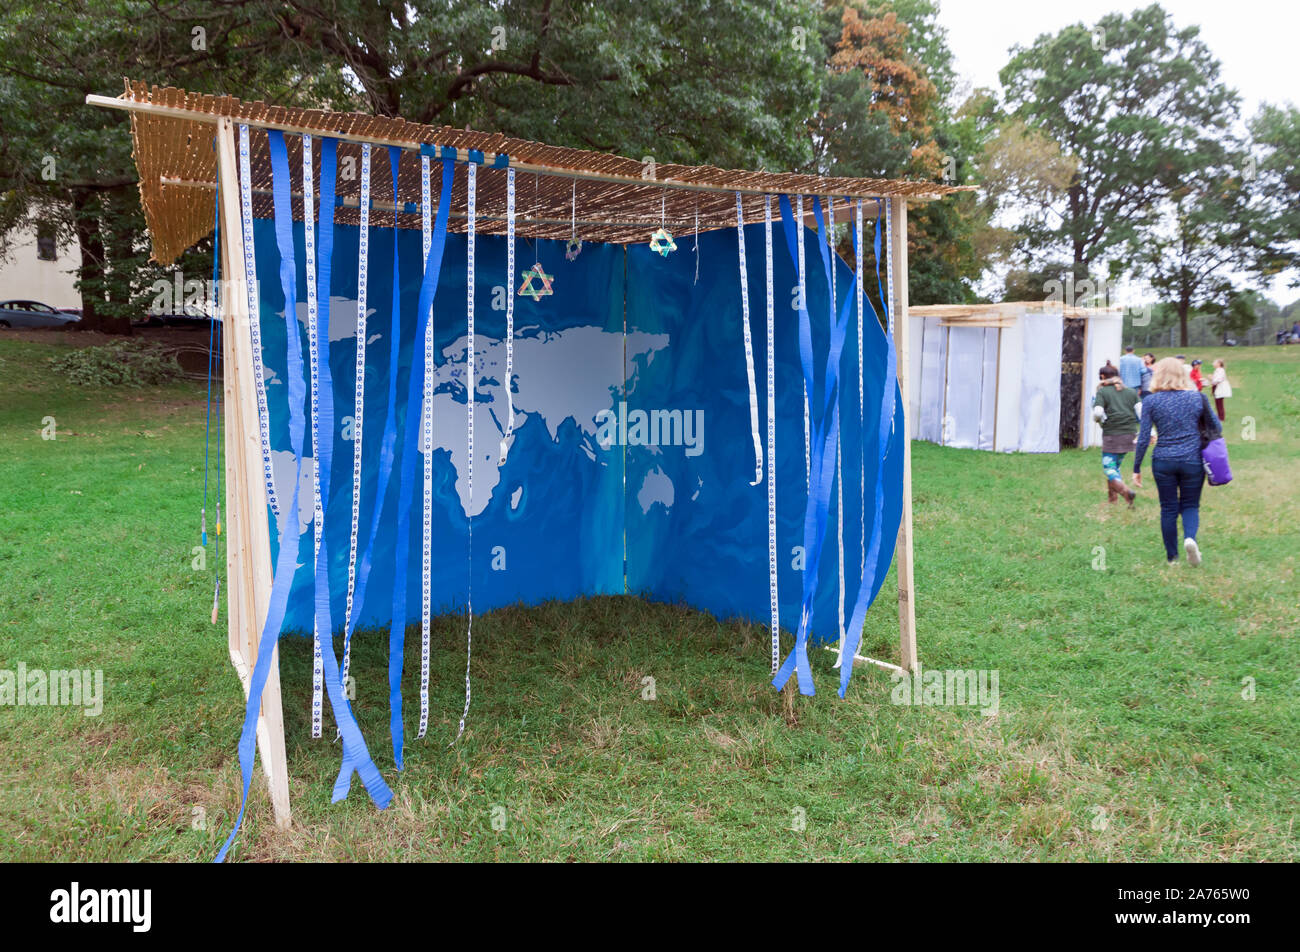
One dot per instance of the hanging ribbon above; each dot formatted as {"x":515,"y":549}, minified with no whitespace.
{"x":426,"y":450}
{"x":213,"y":322}
{"x":405,"y":489}
{"x":313,"y":350}
{"x":471,"y":384}
{"x":862,"y":423}
{"x":353,"y":744}
{"x":325,"y":414}
{"x":862,"y":419}
{"x":886,"y":420}
{"x":807,"y":381}
{"x":771,"y":438}
{"x":212,"y":335}
{"x":358,"y":410}
{"x":217,"y":325}
{"x":388,"y":444}
{"x":887,"y":208}
{"x":749,"y":344}
{"x":828,"y":240}
{"x":510,"y":312}
{"x":795,"y":245}
{"x":250,"y":284}
{"x":824,"y":450}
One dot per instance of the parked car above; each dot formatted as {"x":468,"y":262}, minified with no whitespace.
{"x":34,"y":314}
{"x":186,"y":321}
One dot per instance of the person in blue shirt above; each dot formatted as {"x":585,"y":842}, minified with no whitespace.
{"x":1130,"y":369}
{"x":1148,"y":362}
{"x":1176,"y":408}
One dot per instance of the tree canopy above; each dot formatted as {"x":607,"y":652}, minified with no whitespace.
{"x":1095,"y":156}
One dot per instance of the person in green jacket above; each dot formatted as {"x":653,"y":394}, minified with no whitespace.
{"x":1117,"y":409}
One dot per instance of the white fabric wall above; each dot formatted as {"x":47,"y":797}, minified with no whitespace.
{"x":989,"y":391}
{"x":1040,"y":383}
{"x":934,"y":362}
{"x":916,"y":341}
{"x":961,"y":422}
{"x":1010,"y":351}
{"x":1105,"y":342}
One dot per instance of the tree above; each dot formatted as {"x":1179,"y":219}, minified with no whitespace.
{"x":1138,"y":104}
{"x":723,"y":83}
{"x":1277,"y":130}
{"x":885,"y":113}
{"x":68,"y":164}
{"x":1029,"y":282}
{"x":1237,"y":313}
{"x":726,"y":83}
{"x":1205,"y":236}
{"x":1023,"y":177}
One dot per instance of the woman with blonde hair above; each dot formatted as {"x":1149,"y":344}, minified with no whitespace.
{"x":1176,"y":408}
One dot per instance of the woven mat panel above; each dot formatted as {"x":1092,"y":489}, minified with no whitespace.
{"x":545,"y":203}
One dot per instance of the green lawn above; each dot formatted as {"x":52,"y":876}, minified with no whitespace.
{"x":1122,"y":731}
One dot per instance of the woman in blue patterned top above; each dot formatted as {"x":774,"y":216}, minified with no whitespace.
{"x":1176,"y":408}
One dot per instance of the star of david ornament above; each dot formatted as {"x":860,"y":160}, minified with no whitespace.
{"x":527,"y":289}
{"x":662,"y":242}
{"x":572,"y":249}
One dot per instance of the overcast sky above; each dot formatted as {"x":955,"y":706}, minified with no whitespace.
{"x":1254,"y":40}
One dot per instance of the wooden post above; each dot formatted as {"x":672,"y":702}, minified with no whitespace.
{"x":248,"y":537}
{"x":903,"y":551}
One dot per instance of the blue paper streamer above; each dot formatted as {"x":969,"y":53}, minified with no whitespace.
{"x":825,"y":439}
{"x":853,"y":635}
{"x":287,"y":558}
{"x":410,"y":450}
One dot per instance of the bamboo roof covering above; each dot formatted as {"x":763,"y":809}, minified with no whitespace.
{"x":612,"y":198}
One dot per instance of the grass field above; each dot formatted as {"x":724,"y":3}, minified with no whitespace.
{"x":1126,"y":729}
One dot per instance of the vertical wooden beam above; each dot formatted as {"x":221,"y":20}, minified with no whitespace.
{"x":248,"y":536}
{"x":903,"y":551}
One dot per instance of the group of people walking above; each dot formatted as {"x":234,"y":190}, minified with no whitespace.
{"x":1143,"y":394}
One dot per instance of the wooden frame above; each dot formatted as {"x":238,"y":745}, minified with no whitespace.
{"x":903,"y":550}
{"x":248,"y":536}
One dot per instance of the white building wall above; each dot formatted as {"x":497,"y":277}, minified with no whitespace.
{"x":25,"y":277}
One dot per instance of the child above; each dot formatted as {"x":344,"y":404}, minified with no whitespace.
{"x":1219,"y":384}
{"x":1116,"y":409}
{"x":1196,"y":374}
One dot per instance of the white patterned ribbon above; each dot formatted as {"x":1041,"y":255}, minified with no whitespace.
{"x":887,"y":251}
{"x":829,"y":238}
{"x":471,"y":376}
{"x":313,"y":349}
{"x":426,"y":446}
{"x":889,"y":272}
{"x":254,"y":317}
{"x":749,"y":343}
{"x":803,"y":303}
{"x":862,"y":420}
{"x":510,"y":313}
{"x":358,"y":409}
{"x":771,"y":438}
